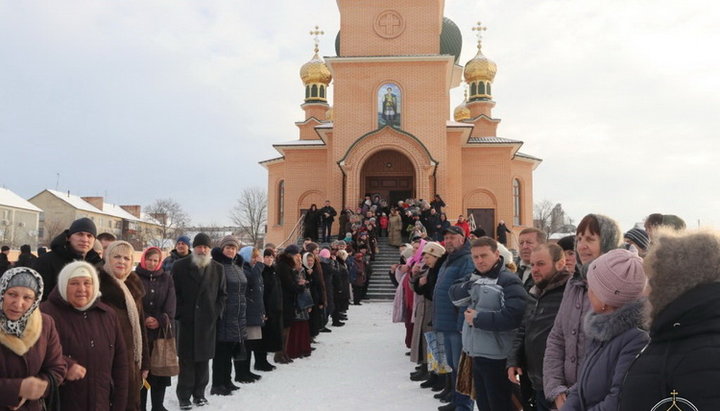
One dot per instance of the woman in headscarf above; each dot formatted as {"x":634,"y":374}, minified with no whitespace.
{"x":254,"y":313}
{"x":30,"y":352}
{"x":93,"y":344}
{"x":311,"y":223}
{"x":159,"y":308}
{"x":123,"y":290}
{"x":565,"y":349}
{"x":299,"y":336}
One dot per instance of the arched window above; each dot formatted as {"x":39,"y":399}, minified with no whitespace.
{"x":307,"y":92}
{"x":314,"y":91}
{"x":481,"y":88}
{"x":473,"y":89}
{"x":281,"y":202}
{"x":488,"y":89}
{"x":516,"y":202}
{"x":322,"y":91}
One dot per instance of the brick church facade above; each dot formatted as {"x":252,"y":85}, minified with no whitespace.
{"x":388,"y":132}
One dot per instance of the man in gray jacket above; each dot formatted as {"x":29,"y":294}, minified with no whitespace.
{"x":497,"y":303}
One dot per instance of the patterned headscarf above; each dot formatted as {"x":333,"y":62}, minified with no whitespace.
{"x":17,"y":327}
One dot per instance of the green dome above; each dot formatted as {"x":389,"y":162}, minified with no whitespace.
{"x":450,"y":40}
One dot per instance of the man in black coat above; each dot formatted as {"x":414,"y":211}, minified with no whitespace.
{"x":528,"y":349}
{"x":75,"y":243}
{"x":327,"y":214}
{"x":200,"y":291}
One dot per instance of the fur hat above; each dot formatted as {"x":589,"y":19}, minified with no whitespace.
{"x":617,"y":277}
{"x":78,"y":269}
{"x":567,"y":243}
{"x":680,"y":261}
{"x":434,"y":249}
{"x":342,"y":254}
{"x":201,"y":239}
{"x":83,"y":225}
{"x":229,"y":240}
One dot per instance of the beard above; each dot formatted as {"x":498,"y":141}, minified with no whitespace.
{"x":201,"y":260}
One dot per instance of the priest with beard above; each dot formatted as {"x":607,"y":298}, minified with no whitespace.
{"x":201,"y":293}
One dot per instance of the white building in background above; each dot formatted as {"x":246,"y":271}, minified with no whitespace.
{"x":19,"y":220}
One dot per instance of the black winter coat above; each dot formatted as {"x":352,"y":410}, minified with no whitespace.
{"x":528,"y":349}
{"x":159,"y":300}
{"x":272,"y":297}
{"x":329,"y":269}
{"x":290,"y":287}
{"x":683,"y":355}
{"x":50,"y":264}
{"x":201,"y":295}
{"x":232,"y":325}
{"x":254,"y":295}
{"x":26,"y":260}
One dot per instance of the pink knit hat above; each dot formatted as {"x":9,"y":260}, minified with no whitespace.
{"x":324,"y":253}
{"x":617,"y":277}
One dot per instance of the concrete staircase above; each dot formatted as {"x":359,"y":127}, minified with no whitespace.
{"x":380,"y":286}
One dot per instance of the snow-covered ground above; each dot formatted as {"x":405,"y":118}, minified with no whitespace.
{"x":361,"y":366}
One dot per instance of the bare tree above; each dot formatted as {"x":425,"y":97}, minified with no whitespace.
{"x":250,"y":213}
{"x":52,"y":227}
{"x":543,"y":215}
{"x":171,"y":216}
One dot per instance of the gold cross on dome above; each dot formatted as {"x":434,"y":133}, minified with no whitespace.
{"x":479,"y":28}
{"x":316,"y":37}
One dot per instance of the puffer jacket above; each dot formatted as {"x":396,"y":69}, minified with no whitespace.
{"x":457,"y":265}
{"x":232,"y":324}
{"x":565,"y":346}
{"x":500,"y":300}
{"x":615,"y":339}
{"x":528,"y":347}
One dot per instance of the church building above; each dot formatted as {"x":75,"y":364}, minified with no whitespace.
{"x":387,"y":131}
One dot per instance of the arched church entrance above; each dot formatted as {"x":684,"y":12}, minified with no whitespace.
{"x":389,"y":174}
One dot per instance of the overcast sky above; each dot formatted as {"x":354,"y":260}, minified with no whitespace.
{"x":139,"y":100}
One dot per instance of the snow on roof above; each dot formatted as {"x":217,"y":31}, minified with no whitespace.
{"x":10,"y":199}
{"x":117,"y":211}
{"x":301,"y":143}
{"x":75,"y":201}
{"x":148,"y":218}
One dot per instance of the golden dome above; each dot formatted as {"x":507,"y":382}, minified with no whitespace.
{"x":480,"y":68}
{"x":330,"y":114}
{"x":315,"y":71}
{"x":462,"y":112}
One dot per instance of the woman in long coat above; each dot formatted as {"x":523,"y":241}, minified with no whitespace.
{"x":92,"y":341}
{"x":30,"y":351}
{"x":272,"y":298}
{"x":123,"y":290}
{"x":395,"y":227}
{"x":312,"y":221}
{"x":254,"y":313}
{"x":159,"y":307}
{"x":287,"y":272}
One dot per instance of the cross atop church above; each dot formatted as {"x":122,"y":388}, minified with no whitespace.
{"x":316,"y":37}
{"x":479,"y":28}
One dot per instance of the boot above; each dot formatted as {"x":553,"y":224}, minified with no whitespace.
{"x":440,"y":383}
{"x":448,"y":398}
{"x":431,"y":381}
{"x":242,"y":372}
{"x":157,"y":396}
{"x":279,"y":358}
{"x":420,"y":375}
{"x":261,"y":362}
{"x":447,"y":407}
{"x":446,"y":378}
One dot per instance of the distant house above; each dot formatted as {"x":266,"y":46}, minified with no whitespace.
{"x":125,"y":222}
{"x":19,"y":220}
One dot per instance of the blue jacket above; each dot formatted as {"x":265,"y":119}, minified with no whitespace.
{"x":446,"y":317}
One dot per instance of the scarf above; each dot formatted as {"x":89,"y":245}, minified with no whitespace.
{"x":17,"y":327}
{"x":132,"y":311}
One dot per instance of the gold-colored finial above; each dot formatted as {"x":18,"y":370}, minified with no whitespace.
{"x":479,"y":28}
{"x":316,"y":37}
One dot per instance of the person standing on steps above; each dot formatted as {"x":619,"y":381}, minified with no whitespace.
{"x":327,"y":215}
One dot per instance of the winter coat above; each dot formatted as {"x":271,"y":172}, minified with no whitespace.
{"x":25,"y":260}
{"x":500,"y":300}
{"x":615,"y":339}
{"x":232,"y":325}
{"x":329,"y":270}
{"x":327,"y":214}
{"x":565,"y":345}
{"x":201,"y":294}
{"x":159,"y":300}
{"x":528,"y":347}
{"x":683,"y":354}
{"x":4,"y":263}
{"x":93,"y":339}
{"x":395,"y":226}
{"x":272,"y":297}
{"x":290,"y":288}
{"x":341,"y":286}
{"x":50,"y":264}
{"x":168,"y":262}
{"x":311,"y":223}
{"x":37,"y":354}
{"x":446,"y":317}
{"x":502,"y":232}
{"x":113,"y":296}
{"x":254,"y":295}
{"x":427,"y":289}
{"x":465,"y":226}
{"x":422,"y":319}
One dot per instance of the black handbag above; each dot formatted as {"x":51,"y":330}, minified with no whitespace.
{"x":52,"y":401}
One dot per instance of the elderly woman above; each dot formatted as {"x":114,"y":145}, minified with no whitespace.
{"x":299,"y":335}
{"x":123,"y":290}
{"x":159,"y":307}
{"x":93,"y":344}
{"x":231,"y":330}
{"x":616,"y":282}
{"x":565,"y":348}
{"x":255,"y":312}
{"x":31,"y":363}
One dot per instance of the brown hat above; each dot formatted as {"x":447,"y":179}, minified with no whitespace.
{"x":229,"y":240}
{"x":434,"y":249}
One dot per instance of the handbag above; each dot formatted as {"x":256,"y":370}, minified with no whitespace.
{"x":164,"y":359}
{"x":52,"y":401}
{"x":304,"y":300}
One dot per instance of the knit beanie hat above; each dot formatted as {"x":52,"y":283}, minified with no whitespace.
{"x":78,"y":269}
{"x":229,"y":240}
{"x":201,"y":239}
{"x":567,"y":243}
{"x":184,"y":239}
{"x":292,"y":249}
{"x":83,"y":225}
{"x":324,"y":253}
{"x":639,"y":237}
{"x":25,"y":248}
{"x":617,"y":277}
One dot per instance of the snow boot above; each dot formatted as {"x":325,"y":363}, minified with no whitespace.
{"x":157,"y":397}
{"x":447,"y":407}
{"x":420,"y":375}
{"x":242,"y":372}
{"x":261,"y":362}
{"x":440,"y":383}
{"x":431,"y":381}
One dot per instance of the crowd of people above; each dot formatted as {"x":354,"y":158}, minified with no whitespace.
{"x":599,"y":320}
{"x":86,"y":327}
